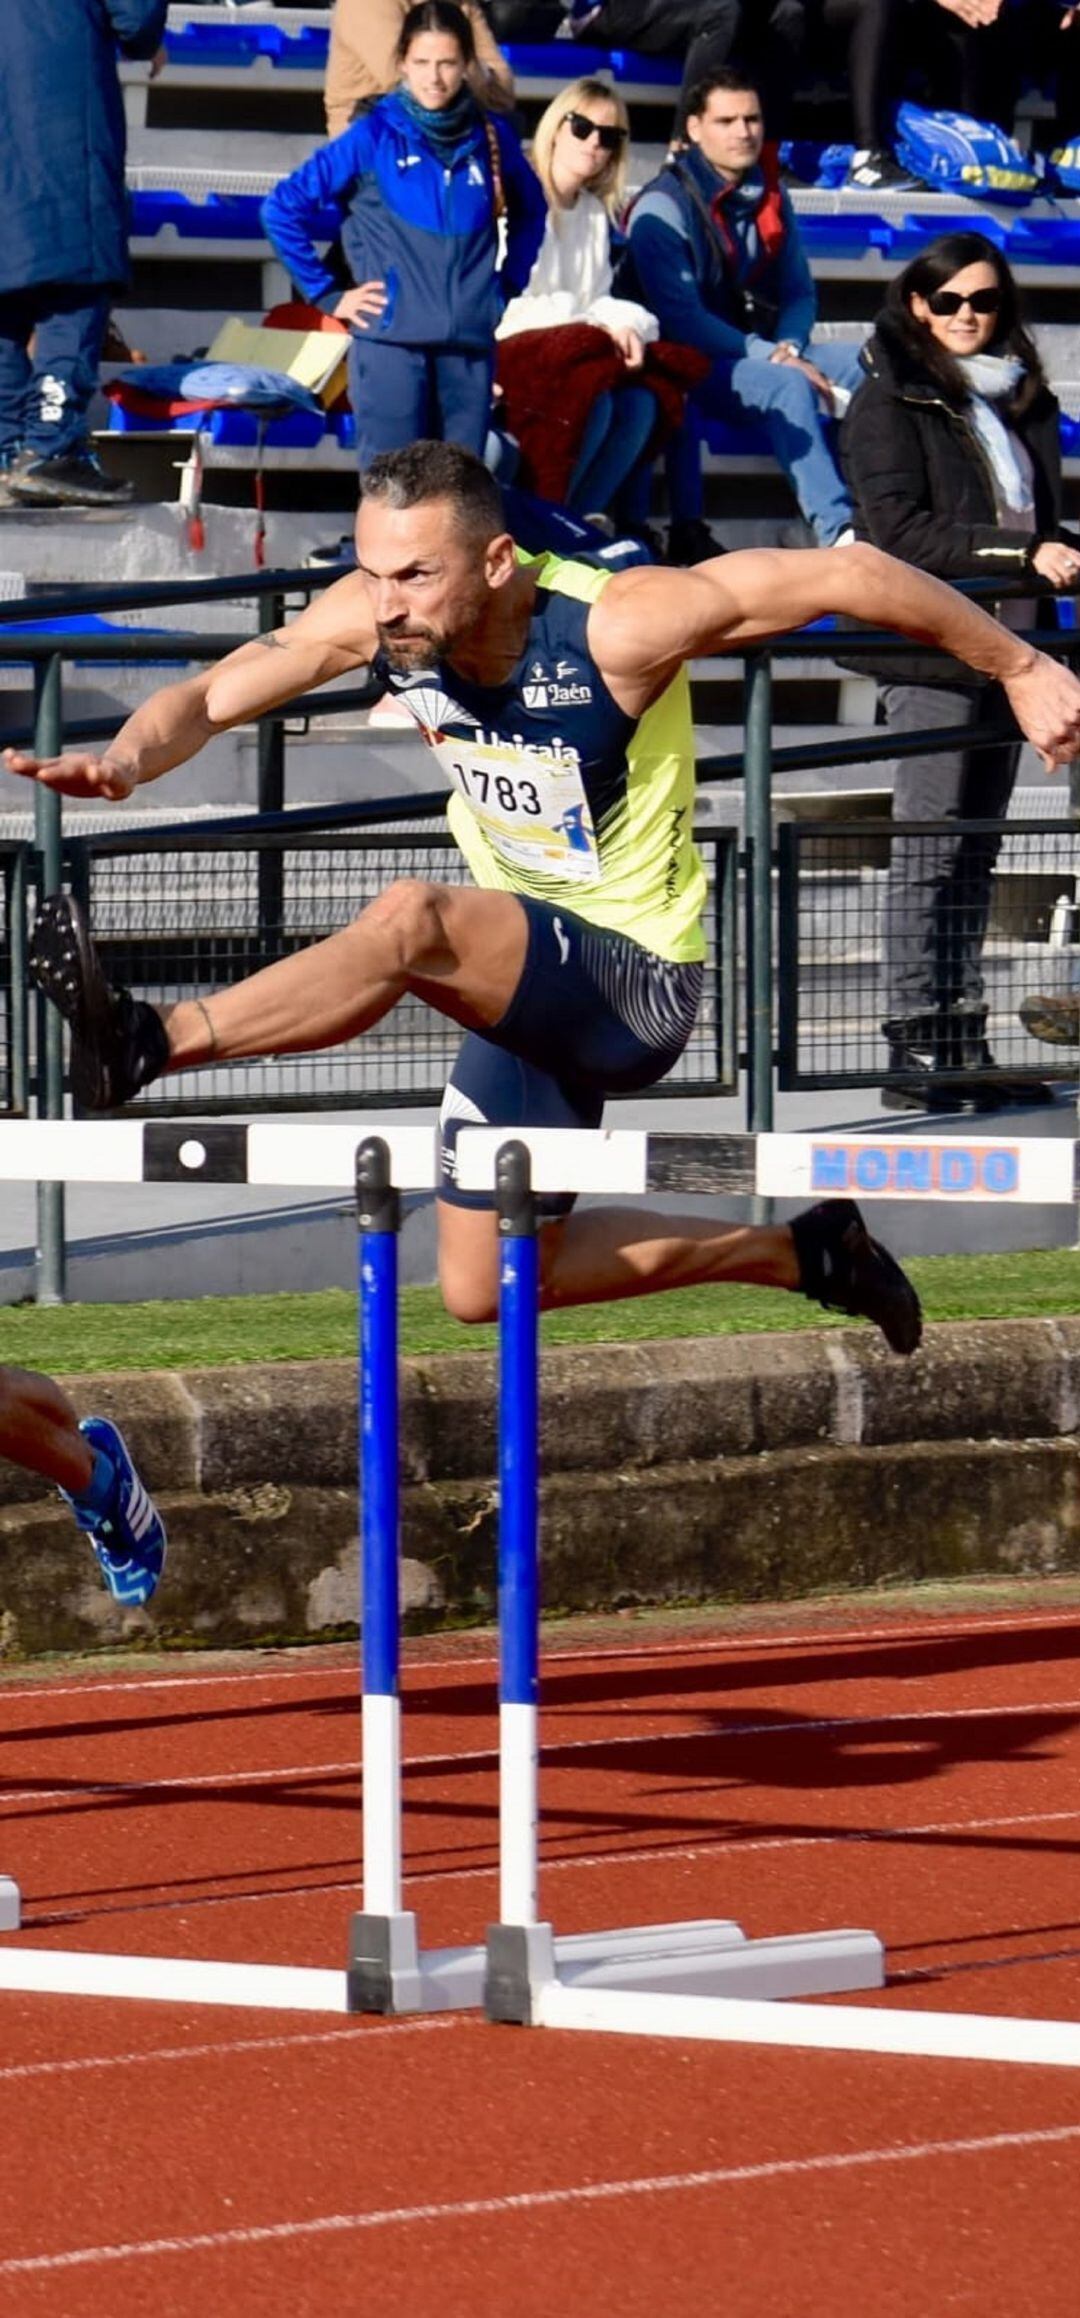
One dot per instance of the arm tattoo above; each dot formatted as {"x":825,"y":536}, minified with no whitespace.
{"x":270,"y":643}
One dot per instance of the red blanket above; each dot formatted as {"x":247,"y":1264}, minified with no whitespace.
{"x":551,"y":378}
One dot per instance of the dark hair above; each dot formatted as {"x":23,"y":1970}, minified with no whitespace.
{"x":436,"y":16}
{"x":425,"y":471}
{"x":726,"y":76}
{"x":935,"y":266}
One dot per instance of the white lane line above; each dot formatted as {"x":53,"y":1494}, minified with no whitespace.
{"x":17,"y":2072}
{"x":478,"y":1759}
{"x":537,"y":2200}
{"x":945,"y":1629}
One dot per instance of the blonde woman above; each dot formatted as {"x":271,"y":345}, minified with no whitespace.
{"x":580,"y":153}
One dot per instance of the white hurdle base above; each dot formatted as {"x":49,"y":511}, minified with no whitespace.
{"x":692,"y":1963}
{"x":809,"y":2027}
{"x":390,"y":1973}
{"x":10,"y":1905}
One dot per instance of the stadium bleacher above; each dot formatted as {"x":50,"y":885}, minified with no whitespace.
{"x":199,"y":253}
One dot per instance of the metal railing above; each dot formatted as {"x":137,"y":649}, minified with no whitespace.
{"x":269,"y":906}
{"x":183,"y":910}
{"x":851,"y":928}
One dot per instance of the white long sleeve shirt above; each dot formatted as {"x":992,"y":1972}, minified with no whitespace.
{"x":571,"y":279}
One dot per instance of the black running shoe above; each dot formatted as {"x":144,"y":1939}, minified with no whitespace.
{"x":77,"y":480}
{"x":118,"y":1043}
{"x":842,"y":1268}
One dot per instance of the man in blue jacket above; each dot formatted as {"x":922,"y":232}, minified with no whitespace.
{"x":717,"y":254}
{"x":63,"y":254}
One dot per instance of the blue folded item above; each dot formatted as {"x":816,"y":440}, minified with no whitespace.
{"x":246,"y":385}
{"x":833,"y":164}
{"x":964,"y":155}
{"x":1064,"y":166}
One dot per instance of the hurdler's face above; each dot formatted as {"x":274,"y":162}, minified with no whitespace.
{"x":430,"y":582}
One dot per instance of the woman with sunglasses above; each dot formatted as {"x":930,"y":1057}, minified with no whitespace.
{"x":422,"y":188}
{"x":552,"y":386}
{"x":951,"y":452}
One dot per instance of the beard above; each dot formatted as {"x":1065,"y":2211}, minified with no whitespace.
{"x":411,"y":650}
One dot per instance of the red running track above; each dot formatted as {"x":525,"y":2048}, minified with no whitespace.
{"x":919,"y":1780}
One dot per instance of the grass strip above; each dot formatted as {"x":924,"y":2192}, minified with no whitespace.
{"x":224,"y":1331}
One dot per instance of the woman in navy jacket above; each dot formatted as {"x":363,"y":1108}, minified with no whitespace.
{"x":419,"y":189}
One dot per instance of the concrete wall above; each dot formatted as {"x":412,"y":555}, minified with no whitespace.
{"x":748,"y":1468}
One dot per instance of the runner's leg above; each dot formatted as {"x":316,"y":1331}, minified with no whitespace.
{"x":460,"y":950}
{"x":39,"y":1429}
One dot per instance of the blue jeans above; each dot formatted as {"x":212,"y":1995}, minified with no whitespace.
{"x":44,"y":400}
{"x":617,"y":430}
{"x":409,"y":394}
{"x":778,"y":398}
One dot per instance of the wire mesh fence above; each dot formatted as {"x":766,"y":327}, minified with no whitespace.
{"x":930,"y":934}
{"x":175,"y":920}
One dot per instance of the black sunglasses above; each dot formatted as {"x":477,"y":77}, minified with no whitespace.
{"x":950,"y":301}
{"x":609,"y":139}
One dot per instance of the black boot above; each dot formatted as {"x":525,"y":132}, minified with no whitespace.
{"x":985,"y":1084}
{"x":916,"y":1054}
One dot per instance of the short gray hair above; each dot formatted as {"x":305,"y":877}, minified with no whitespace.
{"x":427,"y":470}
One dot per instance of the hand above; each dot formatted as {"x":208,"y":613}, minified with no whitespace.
{"x":975,"y":13}
{"x":823,"y":387}
{"x":1056,"y":562}
{"x":158,"y":61}
{"x":76,"y":775}
{"x":630,"y":346}
{"x":1045,"y":699}
{"x":366,"y":298}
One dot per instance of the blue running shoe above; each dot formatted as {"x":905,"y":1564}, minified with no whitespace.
{"x":120,"y":1518}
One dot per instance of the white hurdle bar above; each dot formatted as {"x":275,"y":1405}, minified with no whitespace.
{"x":697,"y":1979}
{"x":1010,"y":1171}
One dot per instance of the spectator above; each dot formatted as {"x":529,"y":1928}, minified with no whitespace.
{"x":717,"y":256}
{"x":64,"y":253}
{"x":972,"y":53}
{"x":871,"y":32}
{"x":764,"y":37}
{"x":363,"y":62}
{"x":420,"y":186}
{"x":579,"y":153}
{"x":952,"y":452}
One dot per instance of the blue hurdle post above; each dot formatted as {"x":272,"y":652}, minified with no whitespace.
{"x":519,"y":1948}
{"x":386,"y":1970}
{"x":378,"y":1214}
{"x":519,"y":1537}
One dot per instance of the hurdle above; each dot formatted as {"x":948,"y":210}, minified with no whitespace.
{"x":702,"y":1979}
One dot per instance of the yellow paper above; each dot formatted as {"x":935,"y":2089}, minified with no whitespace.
{"x":315,"y":358}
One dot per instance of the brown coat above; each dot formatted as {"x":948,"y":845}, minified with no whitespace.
{"x":363,"y":38}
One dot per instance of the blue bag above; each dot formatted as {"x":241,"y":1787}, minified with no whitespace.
{"x":963,"y":155}
{"x":242,"y":384}
{"x":1065,"y":166}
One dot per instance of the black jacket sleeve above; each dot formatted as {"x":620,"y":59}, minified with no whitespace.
{"x":888,"y":474}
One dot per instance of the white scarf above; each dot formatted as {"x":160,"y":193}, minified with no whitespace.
{"x":990,"y":378}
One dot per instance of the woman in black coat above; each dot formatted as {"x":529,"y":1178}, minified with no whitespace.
{"x":951,"y":453}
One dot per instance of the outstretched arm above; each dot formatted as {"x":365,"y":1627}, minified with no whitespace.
{"x":647,"y":623}
{"x":334,"y":635}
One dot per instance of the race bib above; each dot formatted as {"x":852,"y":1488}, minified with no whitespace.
{"x":531,"y":807}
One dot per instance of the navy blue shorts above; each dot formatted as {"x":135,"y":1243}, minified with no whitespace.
{"x":593,"y":1015}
